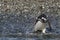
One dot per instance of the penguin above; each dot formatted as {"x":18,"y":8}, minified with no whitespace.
{"x":40,"y":25}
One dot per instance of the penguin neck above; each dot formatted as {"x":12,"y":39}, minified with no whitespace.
{"x":41,"y":22}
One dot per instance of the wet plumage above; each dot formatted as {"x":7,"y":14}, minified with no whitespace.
{"x":40,"y":24}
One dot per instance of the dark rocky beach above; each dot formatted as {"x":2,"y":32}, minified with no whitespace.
{"x":19,"y":16}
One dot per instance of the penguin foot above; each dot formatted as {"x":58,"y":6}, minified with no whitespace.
{"x":38,"y":31}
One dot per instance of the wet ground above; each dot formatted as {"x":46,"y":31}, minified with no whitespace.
{"x":19,"y":16}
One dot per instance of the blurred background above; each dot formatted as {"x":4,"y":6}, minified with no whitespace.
{"x":19,"y":16}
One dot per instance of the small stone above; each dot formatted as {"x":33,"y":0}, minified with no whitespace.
{"x":19,"y":33}
{"x":17,"y":20}
{"x":43,"y":6}
{"x":0,"y":12}
{"x":59,"y":6}
{"x":57,"y":32}
{"x":3,"y":16}
{"x":7,"y":6}
{"x":25,"y":16}
{"x":0,"y":5}
{"x":48,"y":10}
{"x":25,"y":10}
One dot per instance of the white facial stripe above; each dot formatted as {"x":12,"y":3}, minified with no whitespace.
{"x":44,"y":18}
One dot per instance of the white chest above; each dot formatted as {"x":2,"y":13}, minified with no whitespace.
{"x":39,"y":26}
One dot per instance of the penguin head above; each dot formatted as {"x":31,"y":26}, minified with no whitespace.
{"x":43,"y":18}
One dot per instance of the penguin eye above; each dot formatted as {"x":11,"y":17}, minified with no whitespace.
{"x":44,"y":18}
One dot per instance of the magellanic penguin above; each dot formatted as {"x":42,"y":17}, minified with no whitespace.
{"x":40,"y":25}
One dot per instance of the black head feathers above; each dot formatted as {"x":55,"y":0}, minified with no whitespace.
{"x":42,"y":18}
{"x":42,"y":15}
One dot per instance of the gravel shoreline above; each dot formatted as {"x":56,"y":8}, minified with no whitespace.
{"x":16,"y":15}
